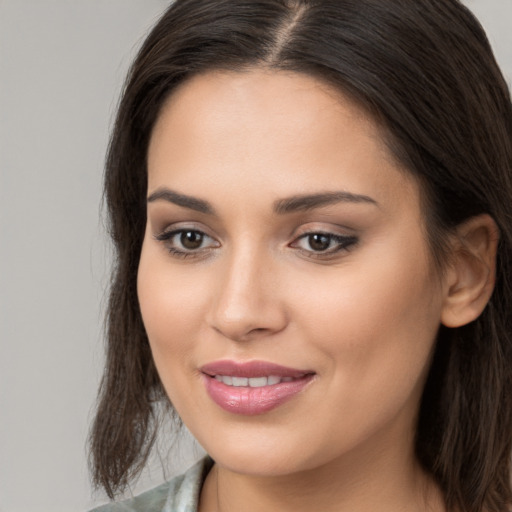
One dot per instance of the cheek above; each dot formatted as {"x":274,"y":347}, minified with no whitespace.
{"x":170,"y":304}
{"x":377,"y":319}
{"x":171,"y":310}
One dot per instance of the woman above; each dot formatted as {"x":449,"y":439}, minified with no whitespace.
{"x":310,"y":203}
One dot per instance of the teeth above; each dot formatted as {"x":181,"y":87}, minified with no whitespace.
{"x":240,"y":381}
{"x":225,"y":379}
{"x":257,"y":382}
{"x":253,"y":382}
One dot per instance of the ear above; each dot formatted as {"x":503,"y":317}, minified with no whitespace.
{"x":471,"y":275}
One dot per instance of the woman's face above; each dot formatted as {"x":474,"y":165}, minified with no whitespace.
{"x":285,"y":281}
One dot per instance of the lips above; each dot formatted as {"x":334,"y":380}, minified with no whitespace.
{"x":254,"y":387}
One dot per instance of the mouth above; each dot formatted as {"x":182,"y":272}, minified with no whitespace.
{"x":254,"y":387}
{"x":252,"y":382}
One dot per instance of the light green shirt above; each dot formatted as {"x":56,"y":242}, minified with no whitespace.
{"x":181,"y":494}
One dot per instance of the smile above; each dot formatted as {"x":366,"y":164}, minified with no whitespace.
{"x":255,"y":387}
{"x":252,"y":382}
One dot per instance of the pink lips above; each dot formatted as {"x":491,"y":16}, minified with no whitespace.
{"x":248,"y":400}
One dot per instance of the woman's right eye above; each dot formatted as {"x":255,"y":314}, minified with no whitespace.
{"x":186,"y":242}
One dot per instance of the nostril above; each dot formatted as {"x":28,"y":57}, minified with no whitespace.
{"x":244,"y":317}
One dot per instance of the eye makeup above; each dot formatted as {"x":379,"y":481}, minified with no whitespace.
{"x":187,"y":242}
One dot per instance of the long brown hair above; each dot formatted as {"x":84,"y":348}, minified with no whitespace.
{"x":425,"y":71}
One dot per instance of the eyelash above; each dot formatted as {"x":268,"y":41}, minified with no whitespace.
{"x":343,"y":243}
{"x":167,"y":236}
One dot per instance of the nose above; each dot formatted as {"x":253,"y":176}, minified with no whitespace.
{"x":247,"y":304}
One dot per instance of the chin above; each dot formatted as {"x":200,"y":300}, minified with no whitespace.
{"x":250,"y":452}
{"x":262,"y":464}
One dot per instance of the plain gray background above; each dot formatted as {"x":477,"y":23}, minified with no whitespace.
{"x":62,"y":63}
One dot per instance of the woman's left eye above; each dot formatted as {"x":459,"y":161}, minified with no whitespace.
{"x":319,"y":244}
{"x":186,"y":242}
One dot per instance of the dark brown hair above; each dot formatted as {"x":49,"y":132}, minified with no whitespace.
{"x":425,"y":71}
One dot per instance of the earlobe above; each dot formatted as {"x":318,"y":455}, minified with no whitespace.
{"x":471,"y":274}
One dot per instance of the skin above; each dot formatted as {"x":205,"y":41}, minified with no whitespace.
{"x":364,"y":319}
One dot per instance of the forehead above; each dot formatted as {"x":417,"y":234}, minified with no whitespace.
{"x":272,"y":131}
{"x":261,"y":98}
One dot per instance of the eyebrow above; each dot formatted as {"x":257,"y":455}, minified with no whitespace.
{"x":282,"y":206}
{"x":312,"y":201}
{"x":192,"y":203}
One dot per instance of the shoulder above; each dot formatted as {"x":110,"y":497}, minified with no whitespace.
{"x":181,"y":494}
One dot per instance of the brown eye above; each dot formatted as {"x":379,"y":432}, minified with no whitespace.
{"x":187,"y":242}
{"x":323,"y":244}
{"x":319,"y":241}
{"x":191,"y":239}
